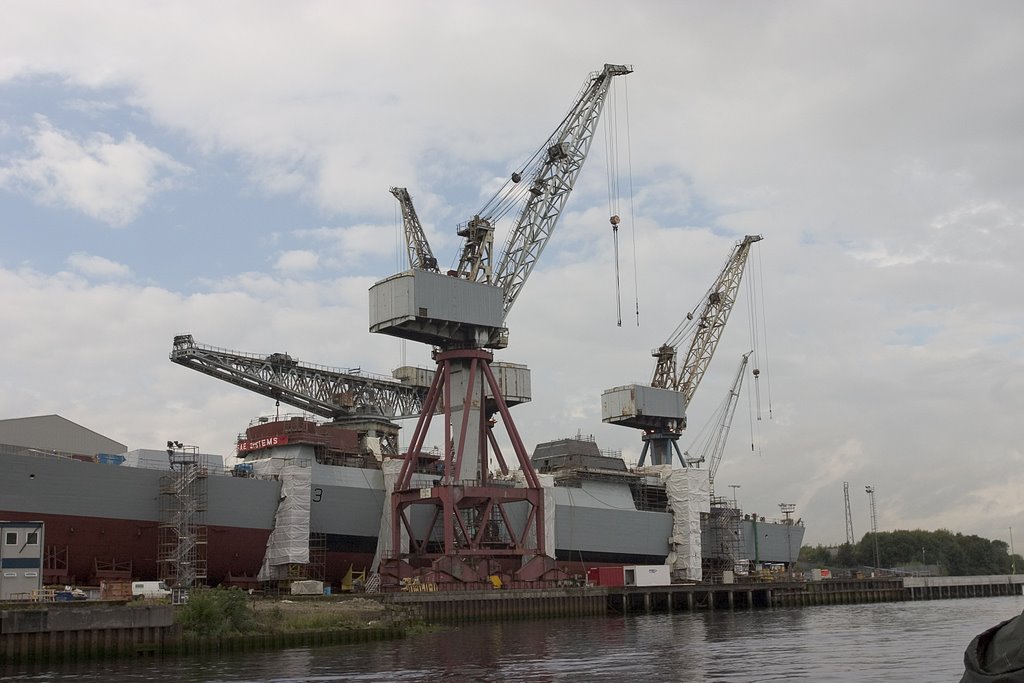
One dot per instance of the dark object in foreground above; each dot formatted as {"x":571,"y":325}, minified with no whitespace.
{"x":997,"y":655}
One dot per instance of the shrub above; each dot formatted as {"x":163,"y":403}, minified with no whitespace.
{"x":217,"y":611}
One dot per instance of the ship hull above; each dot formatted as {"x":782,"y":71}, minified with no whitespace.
{"x":100,"y":516}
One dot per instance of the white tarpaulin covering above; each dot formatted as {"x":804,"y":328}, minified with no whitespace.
{"x":289,"y":540}
{"x":309,"y":587}
{"x":547,"y":482}
{"x":689,"y":495}
{"x":390,"y":467}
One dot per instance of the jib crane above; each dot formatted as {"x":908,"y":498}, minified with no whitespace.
{"x":660,"y":409}
{"x":420,"y":255}
{"x":351,"y":398}
{"x":461,"y":313}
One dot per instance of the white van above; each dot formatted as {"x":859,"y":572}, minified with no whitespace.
{"x":150,"y":589}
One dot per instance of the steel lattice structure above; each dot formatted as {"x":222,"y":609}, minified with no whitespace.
{"x":420,"y":255}
{"x":705,"y":329}
{"x":323,"y":391}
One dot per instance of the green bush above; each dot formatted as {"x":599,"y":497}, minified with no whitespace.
{"x":216,"y":612}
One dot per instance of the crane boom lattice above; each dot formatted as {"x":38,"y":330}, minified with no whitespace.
{"x":327,"y":392}
{"x":420,"y":255}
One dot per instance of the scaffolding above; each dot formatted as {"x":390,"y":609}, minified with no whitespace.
{"x":55,"y":565}
{"x":182,"y":548}
{"x":722,"y":541}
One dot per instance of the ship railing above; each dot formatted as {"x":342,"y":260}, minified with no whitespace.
{"x":276,"y":357}
{"x":472,"y":483}
{"x":11,"y":449}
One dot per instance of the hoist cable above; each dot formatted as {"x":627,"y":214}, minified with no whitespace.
{"x":754,"y":344}
{"x":612,"y":174}
{"x":764,"y":337}
{"x":618,"y":297}
{"x":632,"y":207}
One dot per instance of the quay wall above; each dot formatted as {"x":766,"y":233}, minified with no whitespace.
{"x":503,"y":604}
{"x":56,"y":632}
{"x":809,"y":593}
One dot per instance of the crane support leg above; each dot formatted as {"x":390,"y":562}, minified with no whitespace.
{"x":462,"y":528}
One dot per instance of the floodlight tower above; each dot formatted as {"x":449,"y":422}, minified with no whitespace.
{"x":788,"y":509}
{"x":461,"y":314}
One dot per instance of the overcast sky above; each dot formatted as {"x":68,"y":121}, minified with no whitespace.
{"x":223,"y":169}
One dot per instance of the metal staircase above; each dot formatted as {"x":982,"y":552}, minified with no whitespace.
{"x":183,"y":502}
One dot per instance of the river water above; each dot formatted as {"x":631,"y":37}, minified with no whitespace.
{"x":906,"y":641}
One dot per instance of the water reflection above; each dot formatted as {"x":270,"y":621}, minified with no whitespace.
{"x":916,"y":641}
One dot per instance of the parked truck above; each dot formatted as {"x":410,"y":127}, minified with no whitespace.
{"x":150,"y":589}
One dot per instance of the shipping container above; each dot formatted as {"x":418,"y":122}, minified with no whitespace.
{"x":610,"y":577}
{"x":647,"y":575}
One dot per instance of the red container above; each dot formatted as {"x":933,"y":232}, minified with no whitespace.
{"x":606,"y":576}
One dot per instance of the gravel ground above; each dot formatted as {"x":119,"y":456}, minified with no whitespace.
{"x":355,"y":609}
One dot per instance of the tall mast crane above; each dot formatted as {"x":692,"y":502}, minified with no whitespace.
{"x":660,"y":409}
{"x":462,"y":314}
{"x":723,"y":547}
{"x":712,"y":446}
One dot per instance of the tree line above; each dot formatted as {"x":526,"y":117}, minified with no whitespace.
{"x":954,"y":554}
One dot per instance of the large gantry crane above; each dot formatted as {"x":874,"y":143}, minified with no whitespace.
{"x":659,"y":410}
{"x":473,"y":530}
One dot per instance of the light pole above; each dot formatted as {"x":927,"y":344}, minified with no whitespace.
{"x":734,"y":487}
{"x":874,"y":522}
{"x":1013,"y":562}
{"x":787,"y":509}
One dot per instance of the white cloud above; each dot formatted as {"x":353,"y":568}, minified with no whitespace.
{"x":297,"y":261}
{"x":104,"y":179}
{"x":92,"y":108}
{"x":97,"y":266}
